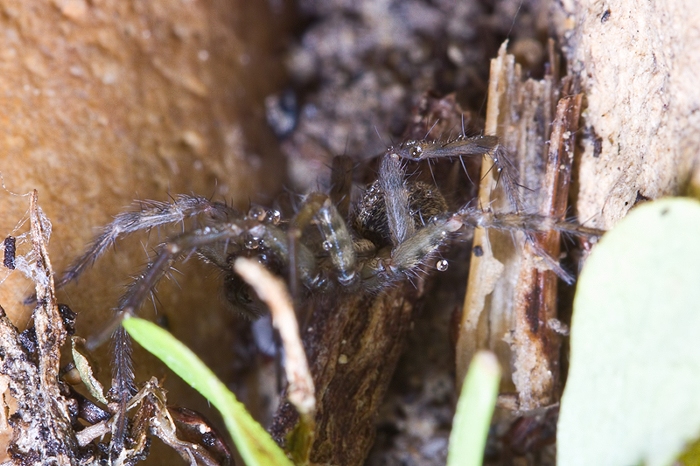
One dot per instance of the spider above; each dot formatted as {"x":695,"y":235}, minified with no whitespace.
{"x":392,"y":233}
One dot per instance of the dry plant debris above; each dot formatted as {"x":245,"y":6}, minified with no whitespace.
{"x":41,"y":424}
{"x":39,"y":413}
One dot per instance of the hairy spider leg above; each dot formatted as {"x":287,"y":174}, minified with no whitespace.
{"x":123,"y":385}
{"x":464,"y":146}
{"x":529,"y":224}
{"x":510,"y":221}
{"x":152,"y":214}
{"x":507,"y":174}
{"x":552,"y":263}
{"x":409,"y":256}
{"x":392,"y":181}
{"x":123,"y":388}
{"x":298,"y":257}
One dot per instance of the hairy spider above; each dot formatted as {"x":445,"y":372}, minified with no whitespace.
{"x":394,"y":231}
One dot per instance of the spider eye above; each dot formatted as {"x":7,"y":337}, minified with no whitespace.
{"x":257,"y":213}
{"x":416,"y":152}
{"x":252,"y":242}
{"x":274,"y":216}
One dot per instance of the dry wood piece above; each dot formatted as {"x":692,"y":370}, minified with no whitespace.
{"x":512,"y":292}
{"x":300,"y":388}
{"x":353,"y":348}
{"x":535,"y":344}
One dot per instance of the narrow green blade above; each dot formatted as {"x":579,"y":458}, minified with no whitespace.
{"x":254,"y":444}
{"x":474,"y":410}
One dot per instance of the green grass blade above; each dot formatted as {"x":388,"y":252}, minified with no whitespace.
{"x":254,"y":444}
{"x":474,"y":410}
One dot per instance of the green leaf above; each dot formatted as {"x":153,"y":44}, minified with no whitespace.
{"x":474,"y":410}
{"x":633,"y":392}
{"x":254,"y":444}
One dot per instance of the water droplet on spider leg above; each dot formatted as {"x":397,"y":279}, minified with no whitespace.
{"x":415,"y":151}
{"x":441,"y":265}
{"x":257,"y":213}
{"x":274,"y":216}
{"x":327,"y":245}
{"x":252,"y":242}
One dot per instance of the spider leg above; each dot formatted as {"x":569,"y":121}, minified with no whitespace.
{"x":508,"y":175}
{"x":301,"y":260}
{"x":417,"y":249}
{"x":465,"y":146}
{"x":152,"y":214}
{"x":529,"y":225}
{"x":123,"y":385}
{"x":334,"y":233}
{"x":167,"y":254}
{"x":517,"y":221}
{"x":123,"y":388}
{"x":409,"y":256}
{"x":393,"y":186}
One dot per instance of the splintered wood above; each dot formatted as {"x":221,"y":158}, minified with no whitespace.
{"x":511,"y":302}
{"x":40,"y":418}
